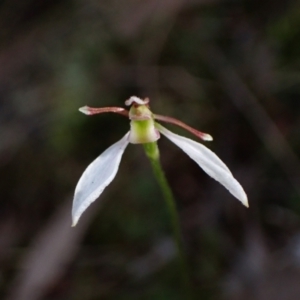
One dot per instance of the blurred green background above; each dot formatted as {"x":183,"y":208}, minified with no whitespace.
{"x":229,"y":68}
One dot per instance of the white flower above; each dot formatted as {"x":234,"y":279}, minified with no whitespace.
{"x":144,"y":129}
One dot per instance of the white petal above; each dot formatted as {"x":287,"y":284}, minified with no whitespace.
{"x":208,"y":161}
{"x":97,"y":176}
{"x":137,"y":100}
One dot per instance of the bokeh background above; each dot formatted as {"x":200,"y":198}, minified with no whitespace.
{"x":229,"y":68}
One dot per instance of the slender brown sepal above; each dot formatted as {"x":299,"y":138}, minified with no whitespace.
{"x":197,"y":133}
{"x":95,"y":110}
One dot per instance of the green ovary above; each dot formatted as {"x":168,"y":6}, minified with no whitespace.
{"x":143,"y":131}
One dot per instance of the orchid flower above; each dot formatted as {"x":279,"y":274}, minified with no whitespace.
{"x":144,"y":129}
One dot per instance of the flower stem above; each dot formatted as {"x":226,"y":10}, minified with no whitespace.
{"x":152,"y":152}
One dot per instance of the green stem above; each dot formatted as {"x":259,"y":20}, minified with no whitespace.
{"x":152,"y":152}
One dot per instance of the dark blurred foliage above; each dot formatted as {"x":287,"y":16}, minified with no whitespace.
{"x":230,"y":68}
